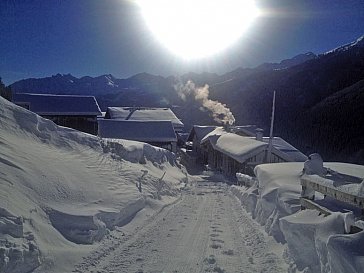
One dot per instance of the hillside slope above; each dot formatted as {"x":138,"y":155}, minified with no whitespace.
{"x":336,"y":125}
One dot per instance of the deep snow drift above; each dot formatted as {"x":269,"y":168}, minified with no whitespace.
{"x":314,"y":243}
{"x":61,"y":189}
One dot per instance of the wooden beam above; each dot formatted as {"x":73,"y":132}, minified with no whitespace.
{"x":352,"y":199}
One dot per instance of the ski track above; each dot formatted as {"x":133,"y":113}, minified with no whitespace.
{"x":206,"y":230}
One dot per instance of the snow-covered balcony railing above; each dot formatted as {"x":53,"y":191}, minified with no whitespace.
{"x":339,"y":190}
{"x":339,"y":186}
{"x":310,"y":204}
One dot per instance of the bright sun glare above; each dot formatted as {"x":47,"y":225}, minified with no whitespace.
{"x":198,"y":28}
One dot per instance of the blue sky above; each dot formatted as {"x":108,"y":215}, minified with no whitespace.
{"x":94,"y":37}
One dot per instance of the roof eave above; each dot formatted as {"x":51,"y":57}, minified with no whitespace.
{"x":68,"y":114}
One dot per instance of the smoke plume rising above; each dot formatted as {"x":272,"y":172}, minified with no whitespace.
{"x":219,"y":111}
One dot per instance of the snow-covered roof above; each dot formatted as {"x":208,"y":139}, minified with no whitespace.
{"x":213,"y":135}
{"x":247,"y":130}
{"x":145,"y":131}
{"x":237,"y":147}
{"x":241,"y":148}
{"x":62,"y":105}
{"x":143,"y":114}
{"x":283,"y":146}
{"x":200,"y":132}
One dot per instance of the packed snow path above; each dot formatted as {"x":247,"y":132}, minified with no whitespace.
{"x":206,"y":230}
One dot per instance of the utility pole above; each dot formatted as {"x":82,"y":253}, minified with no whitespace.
{"x":271,"y":129}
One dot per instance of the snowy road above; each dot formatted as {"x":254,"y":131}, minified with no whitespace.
{"x":206,"y":230}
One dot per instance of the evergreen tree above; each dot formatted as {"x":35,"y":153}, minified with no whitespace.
{"x":5,"y":91}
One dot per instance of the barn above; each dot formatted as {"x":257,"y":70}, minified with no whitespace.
{"x":77,"y":112}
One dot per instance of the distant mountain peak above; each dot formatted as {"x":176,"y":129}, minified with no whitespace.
{"x":287,"y":63}
{"x":59,"y":75}
{"x":357,"y":43}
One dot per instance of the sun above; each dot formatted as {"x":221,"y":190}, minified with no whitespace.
{"x":195,"y":29}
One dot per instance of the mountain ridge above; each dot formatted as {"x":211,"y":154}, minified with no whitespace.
{"x":47,"y":84}
{"x":300,"y":83}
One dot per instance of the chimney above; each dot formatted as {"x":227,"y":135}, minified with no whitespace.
{"x":259,"y":134}
{"x":314,"y":165}
{"x":228,"y":128}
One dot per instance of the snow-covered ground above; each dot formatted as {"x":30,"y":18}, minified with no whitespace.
{"x":206,"y":230}
{"x":314,"y":243}
{"x":69,"y":202}
{"x":62,"y":190}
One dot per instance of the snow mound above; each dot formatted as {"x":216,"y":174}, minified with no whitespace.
{"x":247,"y":196}
{"x":319,"y":244}
{"x":279,"y":193}
{"x":18,"y":251}
{"x":137,"y":152}
{"x":346,"y":252}
{"x":61,"y":187}
{"x":314,"y":243}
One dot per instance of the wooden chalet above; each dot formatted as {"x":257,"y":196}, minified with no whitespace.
{"x":231,"y":153}
{"x":156,"y":133}
{"x":145,"y":114}
{"x":77,"y":112}
{"x":196,"y":135}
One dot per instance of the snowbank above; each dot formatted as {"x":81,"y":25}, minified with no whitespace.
{"x":60,"y":187}
{"x":245,"y":180}
{"x":315,"y":243}
{"x":346,"y":252}
{"x":319,"y":244}
{"x":279,"y":194}
{"x":247,"y":196}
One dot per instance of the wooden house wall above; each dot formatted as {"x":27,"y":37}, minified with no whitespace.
{"x":229,"y":166}
{"x":274,"y":158}
{"x":170,"y":146}
{"x":87,"y":124}
{"x":196,"y":147}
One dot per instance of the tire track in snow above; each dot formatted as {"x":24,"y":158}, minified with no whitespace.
{"x":207,"y":231}
{"x":117,"y":238}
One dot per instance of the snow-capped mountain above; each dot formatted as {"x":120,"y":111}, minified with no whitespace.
{"x":357,"y":43}
{"x":299,"y":59}
{"x":301,"y":83}
{"x":105,"y":84}
{"x":67,"y":84}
